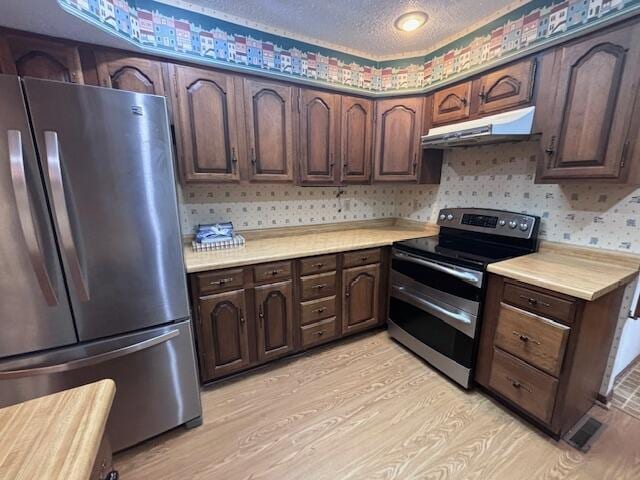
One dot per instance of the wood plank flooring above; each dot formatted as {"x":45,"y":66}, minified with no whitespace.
{"x":366,"y":408}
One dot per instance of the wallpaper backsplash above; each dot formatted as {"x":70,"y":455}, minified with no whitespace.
{"x":601,"y":216}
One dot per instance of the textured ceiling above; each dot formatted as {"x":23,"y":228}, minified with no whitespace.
{"x":363,"y":27}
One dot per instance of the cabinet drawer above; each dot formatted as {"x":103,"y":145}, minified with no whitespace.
{"x":361,"y":257}
{"x":311,"y":265}
{"x":220,"y":280}
{"x":319,"y":332}
{"x":315,"y":310}
{"x":271,"y":271}
{"x":528,"y":388}
{"x":534,"y":339}
{"x":316,"y":286}
{"x":537,"y":302}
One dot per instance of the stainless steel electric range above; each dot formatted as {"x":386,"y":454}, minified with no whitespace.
{"x":438,"y":283}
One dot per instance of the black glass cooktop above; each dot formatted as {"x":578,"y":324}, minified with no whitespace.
{"x":464,"y":250}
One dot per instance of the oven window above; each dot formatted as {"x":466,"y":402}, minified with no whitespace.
{"x":432,"y":331}
{"x":438,"y":280}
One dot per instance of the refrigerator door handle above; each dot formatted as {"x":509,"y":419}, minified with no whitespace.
{"x":25,"y":214}
{"x":90,"y":361}
{"x":54,"y":171}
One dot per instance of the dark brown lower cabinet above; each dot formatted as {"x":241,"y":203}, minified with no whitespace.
{"x":223,"y":338}
{"x":360,"y":297}
{"x":274,"y":311}
{"x":543,"y":353}
{"x":246,"y":316}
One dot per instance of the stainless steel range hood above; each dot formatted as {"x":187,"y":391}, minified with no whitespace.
{"x":503,"y":127}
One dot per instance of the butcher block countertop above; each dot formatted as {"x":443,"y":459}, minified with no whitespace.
{"x":296,"y":242}
{"x":57,"y":436}
{"x":580,"y":272}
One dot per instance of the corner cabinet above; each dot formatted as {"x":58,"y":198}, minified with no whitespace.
{"x":40,"y":58}
{"x":223,"y":336}
{"x":398,"y":131}
{"x":589,"y":116}
{"x":269,"y":117}
{"x":356,"y":139}
{"x":319,"y":123}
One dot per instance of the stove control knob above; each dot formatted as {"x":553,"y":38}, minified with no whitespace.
{"x":513,"y":224}
{"x":450,"y":217}
{"x":442,"y":216}
{"x":502,"y":222}
{"x":524,"y":227}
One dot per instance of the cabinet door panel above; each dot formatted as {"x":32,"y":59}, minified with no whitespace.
{"x":318,"y":128}
{"x":223,"y":336}
{"x":451,"y":104}
{"x":274,"y":305}
{"x":507,"y":88}
{"x":269,"y":120}
{"x":585,"y":128}
{"x":49,"y":60}
{"x":398,"y":131}
{"x":130,"y":73}
{"x":361,"y":297}
{"x":356,"y":139}
{"x":206,"y":120}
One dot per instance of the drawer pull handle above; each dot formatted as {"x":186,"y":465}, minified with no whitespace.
{"x":517,"y":385}
{"x":364,"y":258}
{"x":525,"y":338}
{"x":320,"y":287}
{"x":318,"y":265}
{"x":534,"y":301}
{"x":319,"y":310}
{"x":275,"y":272}
{"x":222,"y":281}
{"x":320,"y":333}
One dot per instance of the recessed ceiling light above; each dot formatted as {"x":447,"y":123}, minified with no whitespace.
{"x":411,"y":21}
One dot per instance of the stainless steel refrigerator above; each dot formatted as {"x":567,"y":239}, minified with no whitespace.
{"x":92,"y":280}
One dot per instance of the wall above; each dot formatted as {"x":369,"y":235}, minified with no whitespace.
{"x":167,"y":30}
{"x":271,"y":206}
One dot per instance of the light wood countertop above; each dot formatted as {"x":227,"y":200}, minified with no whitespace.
{"x":309,"y":241}
{"x":57,"y":436}
{"x":585,"y":273}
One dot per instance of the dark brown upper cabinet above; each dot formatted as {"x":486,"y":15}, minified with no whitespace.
{"x":452,"y":104}
{"x":207,"y":126}
{"x":356,"y":139}
{"x":504,"y":89}
{"x":223,"y":338}
{"x":134,"y":74}
{"x":274,"y":311}
{"x":588,"y":112}
{"x":39,"y":58}
{"x":319,"y":123}
{"x":360,"y":297}
{"x":397,"y":148}
{"x":269,"y":116}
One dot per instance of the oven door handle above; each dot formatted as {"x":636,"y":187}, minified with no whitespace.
{"x":460,"y":321}
{"x":464,"y":276}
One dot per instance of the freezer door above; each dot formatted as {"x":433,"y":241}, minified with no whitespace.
{"x":34,"y":309}
{"x":154,"y":371}
{"x":108,"y":170}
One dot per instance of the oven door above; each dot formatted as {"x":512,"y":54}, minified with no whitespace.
{"x":434,"y":312}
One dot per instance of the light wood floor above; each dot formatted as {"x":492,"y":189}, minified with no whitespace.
{"x":368,"y":409}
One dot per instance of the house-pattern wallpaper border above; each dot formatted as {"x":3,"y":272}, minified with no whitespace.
{"x":160,"y":28}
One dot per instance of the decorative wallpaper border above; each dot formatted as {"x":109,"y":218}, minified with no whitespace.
{"x":164,"y":29}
